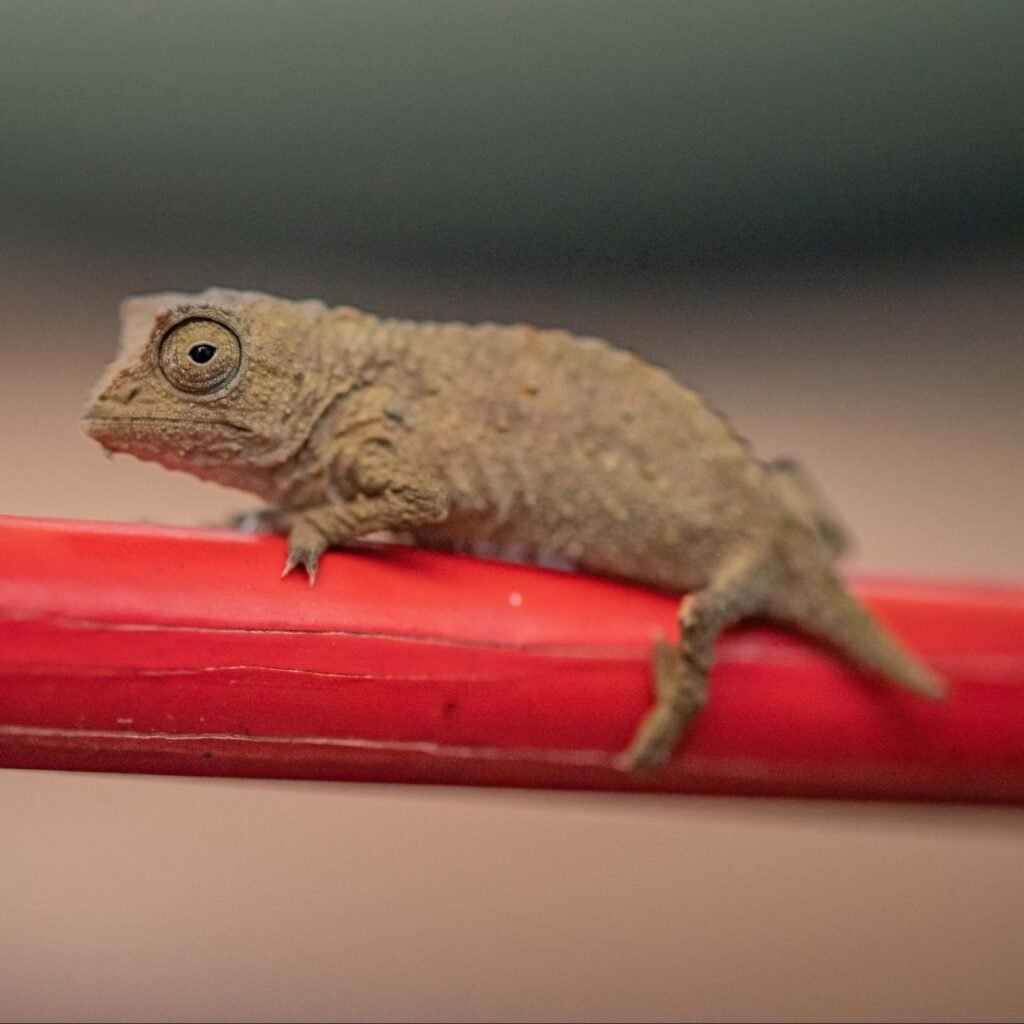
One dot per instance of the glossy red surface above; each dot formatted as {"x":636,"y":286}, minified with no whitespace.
{"x":144,"y":649}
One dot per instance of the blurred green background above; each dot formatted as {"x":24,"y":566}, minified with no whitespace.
{"x":568,"y":137}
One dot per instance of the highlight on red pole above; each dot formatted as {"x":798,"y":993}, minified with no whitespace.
{"x":143,"y":649}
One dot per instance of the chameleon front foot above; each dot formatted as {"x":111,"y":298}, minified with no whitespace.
{"x":305,"y":546}
{"x":680,"y":691}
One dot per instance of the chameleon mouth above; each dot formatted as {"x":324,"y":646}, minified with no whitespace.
{"x":101,"y":428}
{"x":207,"y":448}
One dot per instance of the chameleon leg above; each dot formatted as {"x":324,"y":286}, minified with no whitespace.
{"x":681,"y":672}
{"x":312,"y":531}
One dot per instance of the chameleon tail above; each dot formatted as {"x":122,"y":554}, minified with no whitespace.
{"x":817,"y":602}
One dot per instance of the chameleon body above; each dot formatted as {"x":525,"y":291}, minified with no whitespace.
{"x":490,"y":437}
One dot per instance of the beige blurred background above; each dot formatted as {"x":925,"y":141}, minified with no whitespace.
{"x":827,"y":250}
{"x":129,"y":898}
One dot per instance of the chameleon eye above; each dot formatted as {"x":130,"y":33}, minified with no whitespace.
{"x":200,"y":356}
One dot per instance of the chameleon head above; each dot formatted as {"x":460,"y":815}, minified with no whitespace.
{"x":216,"y":384}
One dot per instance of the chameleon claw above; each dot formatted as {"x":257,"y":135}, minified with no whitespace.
{"x":309,"y":560}
{"x":305,"y":546}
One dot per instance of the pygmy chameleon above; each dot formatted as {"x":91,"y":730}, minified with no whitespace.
{"x":507,"y":437}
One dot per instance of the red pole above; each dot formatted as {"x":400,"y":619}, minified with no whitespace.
{"x":140,"y":649}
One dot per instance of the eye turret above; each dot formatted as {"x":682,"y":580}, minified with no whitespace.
{"x":200,"y":355}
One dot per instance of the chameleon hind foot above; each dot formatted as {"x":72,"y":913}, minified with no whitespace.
{"x":680,"y":689}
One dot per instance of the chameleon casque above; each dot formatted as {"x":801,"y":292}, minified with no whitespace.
{"x":504,"y":437}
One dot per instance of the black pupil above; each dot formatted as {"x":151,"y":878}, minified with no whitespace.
{"x":202,"y":353}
